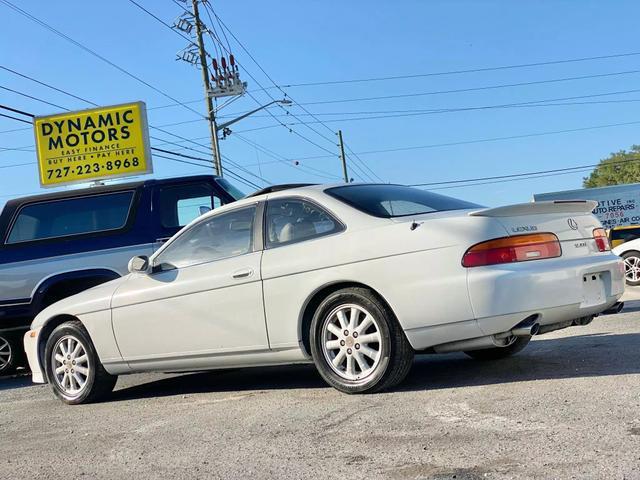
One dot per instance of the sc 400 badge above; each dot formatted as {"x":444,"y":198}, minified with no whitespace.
{"x":524,"y":228}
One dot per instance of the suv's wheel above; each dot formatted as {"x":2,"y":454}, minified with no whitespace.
{"x":357,"y":343}
{"x":497,"y":353}
{"x":8,"y":355}
{"x":632,"y":268}
{"x":72,"y":365}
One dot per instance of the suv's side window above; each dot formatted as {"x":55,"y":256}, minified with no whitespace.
{"x":71,"y":216}
{"x":180,"y":204}
{"x":221,"y":236}
{"x":293,"y":220}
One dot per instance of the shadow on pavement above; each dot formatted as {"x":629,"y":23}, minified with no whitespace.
{"x":590,"y":355}
{"x":21,"y":381}
{"x":259,"y":378}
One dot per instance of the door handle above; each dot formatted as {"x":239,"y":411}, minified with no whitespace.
{"x":162,"y":240}
{"x":244,"y":273}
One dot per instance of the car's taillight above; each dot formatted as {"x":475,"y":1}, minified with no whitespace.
{"x":602,"y":241}
{"x":519,"y":248}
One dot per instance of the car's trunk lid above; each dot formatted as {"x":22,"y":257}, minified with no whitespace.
{"x":571,"y":221}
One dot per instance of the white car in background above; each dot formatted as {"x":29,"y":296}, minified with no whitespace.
{"x":354,"y":278}
{"x":630,"y":253}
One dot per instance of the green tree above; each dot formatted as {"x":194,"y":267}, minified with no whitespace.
{"x":617,"y":168}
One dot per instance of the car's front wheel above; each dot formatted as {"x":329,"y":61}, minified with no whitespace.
{"x":73,"y":368}
{"x":357,"y":343}
{"x":632,"y":268}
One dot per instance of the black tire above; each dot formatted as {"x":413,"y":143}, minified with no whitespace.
{"x":395,"y":353}
{"x":497,"y":353}
{"x":11,"y":354}
{"x":99,"y":383}
{"x":631,"y":255}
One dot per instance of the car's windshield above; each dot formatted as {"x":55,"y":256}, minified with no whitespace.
{"x":235,"y":192}
{"x":389,"y":201}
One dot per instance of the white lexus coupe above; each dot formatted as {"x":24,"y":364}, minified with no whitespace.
{"x":354,"y":278}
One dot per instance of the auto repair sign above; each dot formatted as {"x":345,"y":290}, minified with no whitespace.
{"x":94,"y":144}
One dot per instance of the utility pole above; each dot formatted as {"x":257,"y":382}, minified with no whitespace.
{"x":211,"y":114}
{"x":343,"y":158}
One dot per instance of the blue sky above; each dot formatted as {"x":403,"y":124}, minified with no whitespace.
{"x":315,"y":41}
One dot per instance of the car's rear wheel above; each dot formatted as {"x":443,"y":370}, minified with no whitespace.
{"x":497,"y":353}
{"x":632,"y":268}
{"x":73,"y":368}
{"x":357,"y":343}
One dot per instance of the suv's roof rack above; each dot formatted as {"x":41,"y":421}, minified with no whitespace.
{"x":279,"y":188}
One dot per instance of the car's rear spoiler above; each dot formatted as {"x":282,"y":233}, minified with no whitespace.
{"x":536,"y":208}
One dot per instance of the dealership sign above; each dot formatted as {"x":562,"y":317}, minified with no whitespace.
{"x":94,"y":144}
{"x":618,"y":205}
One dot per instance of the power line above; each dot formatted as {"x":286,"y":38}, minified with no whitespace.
{"x":15,"y":118}
{"x":354,"y":154}
{"x":231,"y":174}
{"x":457,"y":72}
{"x":15,"y":130}
{"x":515,"y":175}
{"x":17,"y":165}
{"x":490,"y":139}
{"x":208,"y":161}
{"x":15,"y":110}
{"x":29,"y":96}
{"x":423,"y":110}
{"x":528,"y":104}
{"x":286,"y":161}
{"x":471,"y":89}
{"x":508,"y":180}
{"x":95,"y":54}
{"x":46,"y":84}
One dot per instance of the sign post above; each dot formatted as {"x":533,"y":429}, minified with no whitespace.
{"x":95,"y":144}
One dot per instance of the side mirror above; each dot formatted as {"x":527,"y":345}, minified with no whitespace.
{"x":204,"y":209}
{"x":139,"y":264}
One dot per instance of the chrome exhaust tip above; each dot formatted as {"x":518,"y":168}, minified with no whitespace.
{"x":527,"y":328}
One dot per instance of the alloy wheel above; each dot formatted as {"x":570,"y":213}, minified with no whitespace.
{"x":632,"y":269}
{"x":71,"y":365}
{"x":351,"y":342}
{"x":6,"y":353}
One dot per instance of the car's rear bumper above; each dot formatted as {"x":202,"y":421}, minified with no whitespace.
{"x":31,"y":349}
{"x":555,"y":290}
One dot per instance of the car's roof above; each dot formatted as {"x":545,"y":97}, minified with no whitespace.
{"x":116,"y":187}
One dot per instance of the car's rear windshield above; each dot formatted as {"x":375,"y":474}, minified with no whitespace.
{"x":389,"y":201}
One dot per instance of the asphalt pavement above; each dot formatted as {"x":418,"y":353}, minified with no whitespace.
{"x":568,"y":406}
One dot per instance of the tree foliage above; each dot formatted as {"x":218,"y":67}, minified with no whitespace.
{"x":617,"y":168}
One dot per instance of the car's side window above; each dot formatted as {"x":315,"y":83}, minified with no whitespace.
{"x":180,"y":204}
{"x":221,"y":236}
{"x":71,"y":216}
{"x":291,"y":220}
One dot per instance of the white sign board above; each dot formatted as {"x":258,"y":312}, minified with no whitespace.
{"x":618,"y":205}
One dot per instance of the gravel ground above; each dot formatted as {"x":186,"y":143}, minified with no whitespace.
{"x":568,"y":406}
